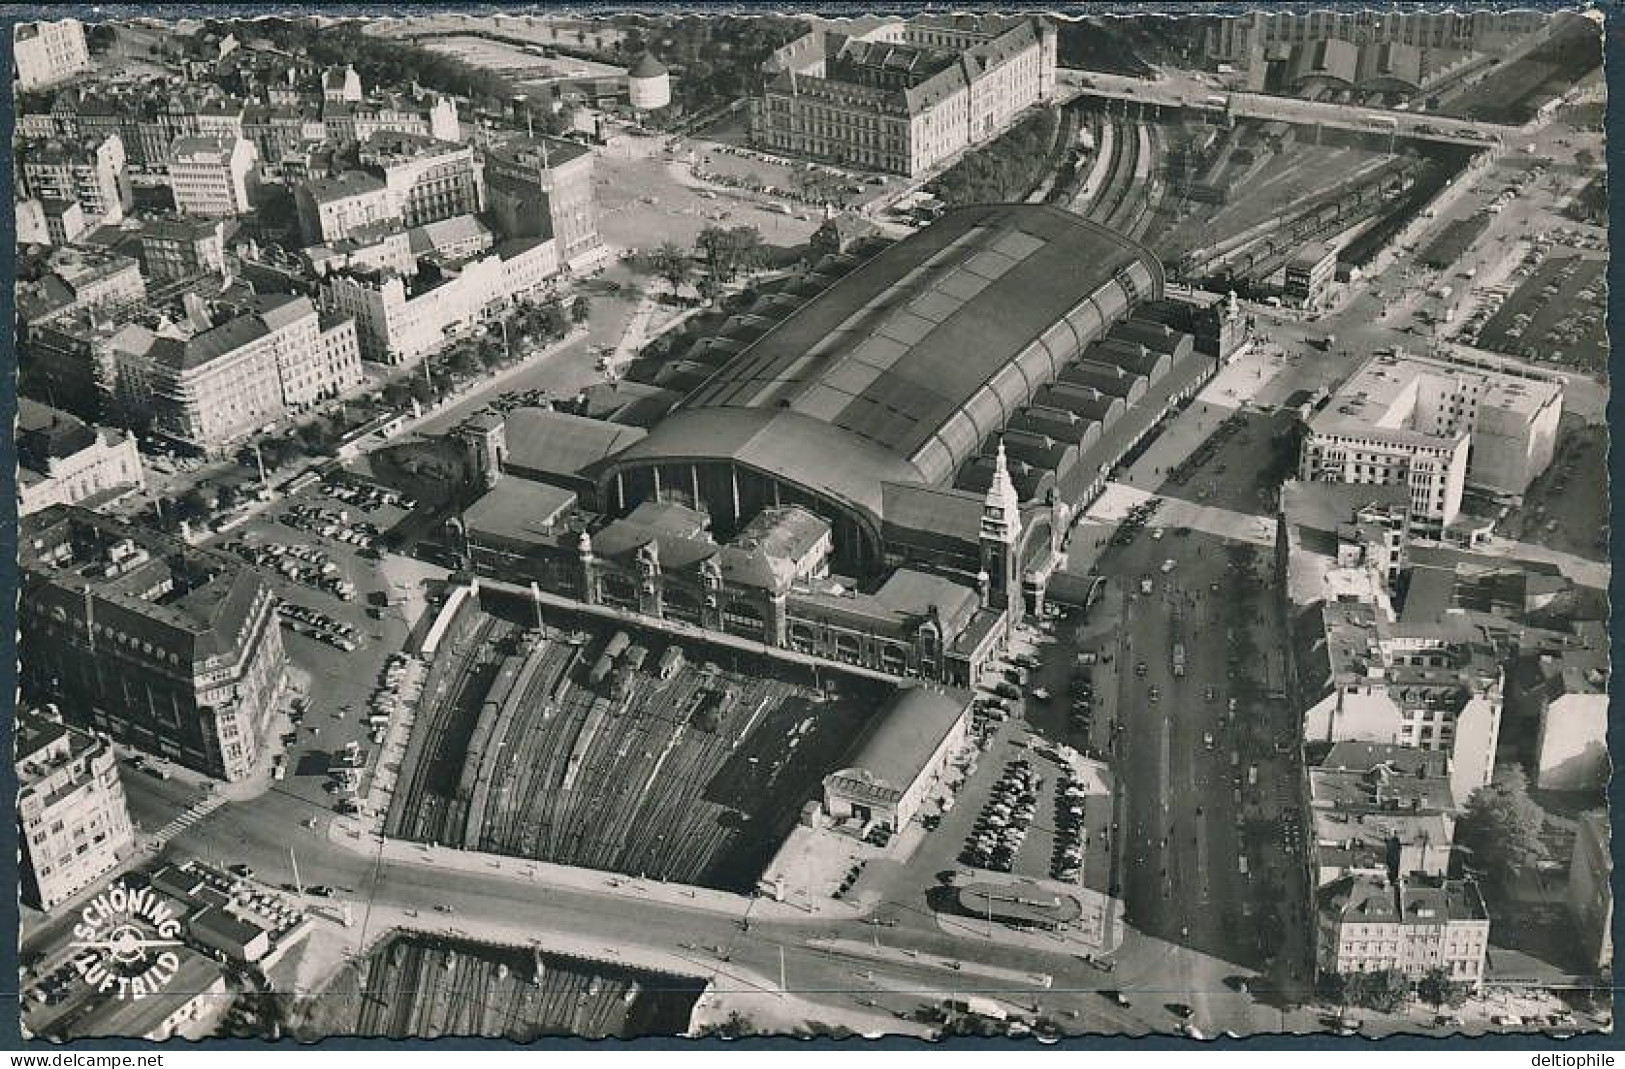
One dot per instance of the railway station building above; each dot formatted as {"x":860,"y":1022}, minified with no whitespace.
{"x":937,"y":416}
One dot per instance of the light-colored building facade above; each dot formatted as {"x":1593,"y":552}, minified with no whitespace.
{"x":906,"y":95}
{"x":543,"y":188}
{"x":79,"y":278}
{"x":62,"y":461}
{"x":332,"y":209}
{"x":1415,"y":925}
{"x":72,"y":817}
{"x":45,"y":53}
{"x":1437,"y":427}
{"x":208,"y":383}
{"x":908,"y":748}
{"x":1432,"y":688}
{"x":400,"y":319}
{"x":429,"y":179}
{"x":213,"y":176}
{"x":91,"y":171}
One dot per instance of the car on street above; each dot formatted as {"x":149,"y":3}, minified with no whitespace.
{"x":1141,"y":669}
{"x":1154,"y":695}
{"x":242,"y":872}
{"x":1041,"y":693}
{"x":320,"y":890}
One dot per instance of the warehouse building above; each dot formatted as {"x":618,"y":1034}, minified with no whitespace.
{"x":908,"y":748}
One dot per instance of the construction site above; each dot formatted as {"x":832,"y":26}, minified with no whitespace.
{"x":415,"y":986}
{"x":618,"y":750}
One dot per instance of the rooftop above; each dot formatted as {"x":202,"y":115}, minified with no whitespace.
{"x":902,"y":737}
{"x":147,"y":584}
{"x":886,"y":375}
{"x":518,"y":509}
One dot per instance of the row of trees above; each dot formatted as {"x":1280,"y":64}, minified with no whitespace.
{"x":1006,"y":170}
{"x":1389,"y":990}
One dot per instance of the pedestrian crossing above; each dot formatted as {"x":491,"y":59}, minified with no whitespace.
{"x":190,"y":816}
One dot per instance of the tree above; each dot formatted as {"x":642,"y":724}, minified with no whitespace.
{"x":1501,"y":826}
{"x":192,"y":505}
{"x":580,"y":310}
{"x":1384,"y":991}
{"x":672,"y":264}
{"x":1437,"y":989}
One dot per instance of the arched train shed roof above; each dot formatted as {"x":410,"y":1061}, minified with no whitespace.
{"x":902,"y":369}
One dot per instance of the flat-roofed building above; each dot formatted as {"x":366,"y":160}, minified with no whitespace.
{"x":72,"y":817}
{"x":429,"y":179}
{"x":90,"y":170}
{"x":1436,"y":427}
{"x":543,"y":188}
{"x":45,"y":53}
{"x":1433,"y":687}
{"x":183,"y":248}
{"x":171,"y":648}
{"x":332,"y":209}
{"x":1308,"y":273}
{"x":213,"y":175}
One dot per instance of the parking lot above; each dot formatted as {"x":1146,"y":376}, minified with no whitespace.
{"x":1556,"y":314}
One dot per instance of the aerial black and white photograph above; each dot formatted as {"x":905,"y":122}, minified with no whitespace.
{"x":695,"y":525}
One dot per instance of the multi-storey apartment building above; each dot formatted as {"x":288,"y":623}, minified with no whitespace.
{"x":219,"y":375}
{"x":76,"y":279}
{"x":183,"y":248}
{"x":1240,"y":39}
{"x":542,"y":187}
{"x":172,"y":648}
{"x":904,"y":96}
{"x":331,"y":209}
{"x":1437,"y":427}
{"x":402,"y":318}
{"x":429,"y":180}
{"x":1413,"y":925}
{"x":63,"y":460}
{"x":45,"y":53}
{"x":213,"y":176}
{"x":90,"y":171}
{"x":425,"y":115}
{"x":1432,"y":687}
{"x":73,"y":821}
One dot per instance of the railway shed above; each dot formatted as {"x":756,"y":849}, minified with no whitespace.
{"x":906,"y":748}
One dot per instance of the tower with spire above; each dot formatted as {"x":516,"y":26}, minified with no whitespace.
{"x":1001,"y":532}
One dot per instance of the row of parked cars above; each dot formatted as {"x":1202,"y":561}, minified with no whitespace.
{"x":1137,"y":518}
{"x":1070,"y":834}
{"x":319,"y":626}
{"x":1002,"y":825}
{"x":368,"y":498}
{"x":1081,"y":689}
{"x":305,"y":565}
